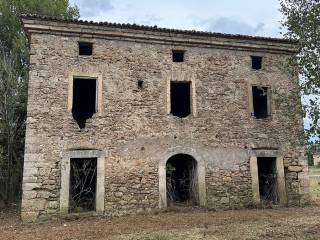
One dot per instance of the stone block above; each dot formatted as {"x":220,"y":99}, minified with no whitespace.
{"x":53,"y":204}
{"x":122,"y":189}
{"x":118,"y":194}
{"x":29,"y":195}
{"x":224,"y":200}
{"x":295,"y":168}
{"x":27,"y":186}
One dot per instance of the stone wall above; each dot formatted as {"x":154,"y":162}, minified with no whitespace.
{"x":134,"y":130}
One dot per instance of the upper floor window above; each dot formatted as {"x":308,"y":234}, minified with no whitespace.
{"x":85,"y":49}
{"x":177,"y":55}
{"x":256,"y":62}
{"x":84,"y":102}
{"x":261,"y":102}
{"x":180,"y":98}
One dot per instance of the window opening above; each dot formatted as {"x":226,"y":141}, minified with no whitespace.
{"x":177,"y":56}
{"x":260,"y":102}
{"x":256,"y":62}
{"x":180,"y":99}
{"x":140,"y":84}
{"x":84,"y":100}
{"x":85,"y":48}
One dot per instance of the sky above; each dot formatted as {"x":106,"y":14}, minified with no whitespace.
{"x":250,"y":17}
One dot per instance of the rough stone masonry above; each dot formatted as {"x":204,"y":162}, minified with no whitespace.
{"x":233,"y":125}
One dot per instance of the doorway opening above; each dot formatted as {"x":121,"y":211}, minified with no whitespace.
{"x":83,"y":184}
{"x":181,"y":180}
{"x":268,"y":184}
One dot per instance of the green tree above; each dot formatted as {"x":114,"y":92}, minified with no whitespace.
{"x":11,"y":33}
{"x":302,"y":23}
{"x":12,"y":113}
{"x":14,"y":64}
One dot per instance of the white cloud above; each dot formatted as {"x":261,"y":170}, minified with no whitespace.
{"x":145,"y":20}
{"x":93,"y":8}
{"x":230,"y":25}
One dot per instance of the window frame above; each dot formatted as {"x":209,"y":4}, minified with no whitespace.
{"x":65,"y":178}
{"x":99,"y":92}
{"x":193,"y":110}
{"x":281,"y":183}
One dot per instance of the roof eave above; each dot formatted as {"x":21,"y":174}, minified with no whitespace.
{"x":34,"y":23}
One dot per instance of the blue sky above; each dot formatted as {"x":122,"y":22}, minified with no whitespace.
{"x":252,"y":17}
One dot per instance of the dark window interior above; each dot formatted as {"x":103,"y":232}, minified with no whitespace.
{"x":180,"y":178}
{"x":85,"y":48}
{"x":260,"y":101}
{"x":180,"y":99}
{"x":256,"y":62}
{"x":140,"y":84}
{"x":177,"y":56}
{"x":84,"y":100}
{"x":83,"y":183}
{"x":267,"y":179}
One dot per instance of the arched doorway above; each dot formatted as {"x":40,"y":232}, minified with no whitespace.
{"x":182,"y":180}
{"x":199,"y":175}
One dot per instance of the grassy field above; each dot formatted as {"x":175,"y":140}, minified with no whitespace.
{"x":314,"y":174}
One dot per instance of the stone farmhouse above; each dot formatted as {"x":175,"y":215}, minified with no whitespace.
{"x":127,"y":118}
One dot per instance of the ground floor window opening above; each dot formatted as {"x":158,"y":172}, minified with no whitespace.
{"x":83,"y":184}
{"x":268,"y":185}
{"x":181,"y":180}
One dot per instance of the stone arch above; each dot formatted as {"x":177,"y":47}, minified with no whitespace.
{"x":200,"y":174}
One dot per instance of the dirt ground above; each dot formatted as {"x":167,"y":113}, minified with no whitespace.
{"x":283,"y":223}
